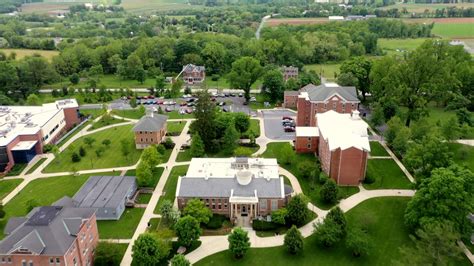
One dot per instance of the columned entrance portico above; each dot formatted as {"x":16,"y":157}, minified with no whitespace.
{"x":243,"y":206}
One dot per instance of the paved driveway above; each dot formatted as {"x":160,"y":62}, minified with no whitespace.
{"x":274,"y":128}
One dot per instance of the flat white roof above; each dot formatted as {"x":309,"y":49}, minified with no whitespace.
{"x":28,"y":120}
{"x":24,"y":145}
{"x":229,"y":167}
{"x":343,"y":130}
{"x":307,"y":131}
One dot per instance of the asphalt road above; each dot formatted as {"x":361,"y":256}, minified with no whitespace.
{"x":274,"y":128}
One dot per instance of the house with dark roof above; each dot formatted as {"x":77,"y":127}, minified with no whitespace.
{"x":193,"y":74}
{"x":289,"y":72}
{"x":108,"y":195}
{"x":149,"y":130}
{"x":51,"y":235}
{"x":239,"y":188}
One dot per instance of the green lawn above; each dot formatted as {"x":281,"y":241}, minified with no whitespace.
{"x":105,"y":121}
{"x":463,"y":154}
{"x":376,"y":149}
{"x":387,"y":174}
{"x":328,"y":71}
{"x":453,"y":30}
{"x":175,"y":128}
{"x":129,"y":113}
{"x":254,"y":127}
{"x":185,"y":155}
{"x":17,"y":169}
{"x":44,"y":191}
{"x":177,"y":115}
{"x":74,"y":133}
{"x":399,"y":46}
{"x":170,"y":186}
{"x":7,"y":186}
{"x":143,"y":198}
{"x":382,"y":216}
{"x":22,"y":53}
{"x":37,"y":164}
{"x":310,"y":188}
{"x":94,"y":113}
{"x":110,"y":81}
{"x":111,"y":157}
{"x":223,"y":84}
{"x":260,"y":103}
{"x":123,"y":228}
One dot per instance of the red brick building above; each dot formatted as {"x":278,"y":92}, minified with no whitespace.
{"x":239,"y":188}
{"x":193,"y":74}
{"x":24,"y":130}
{"x":289,"y":72}
{"x":51,"y":235}
{"x":149,"y":130}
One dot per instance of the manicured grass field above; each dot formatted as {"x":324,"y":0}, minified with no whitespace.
{"x":7,"y":186}
{"x":175,"y":127}
{"x":328,"y":71}
{"x":37,"y":164}
{"x":109,"y":81}
{"x":260,"y":103}
{"x":124,"y":227}
{"x":143,"y":198}
{"x":44,"y":191}
{"x":111,"y":156}
{"x":399,"y":46}
{"x":21,"y":53}
{"x":147,"y":6}
{"x":310,"y":188}
{"x":74,"y":133}
{"x":131,"y":113}
{"x":376,"y":149}
{"x":170,"y":186}
{"x":387,"y":174}
{"x":185,"y":155}
{"x":94,"y":113}
{"x":105,"y":121}
{"x":223,"y":84}
{"x":412,"y":7}
{"x":463,"y":154}
{"x":254,"y":127}
{"x":17,"y":169}
{"x":454,"y":30}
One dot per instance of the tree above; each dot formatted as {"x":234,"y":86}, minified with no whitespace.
{"x":359,"y":68}
{"x":197,"y":146}
{"x":394,"y":125}
{"x":107,"y":254}
{"x":401,"y":142}
{"x":74,"y":78}
{"x":230,"y":140}
{"x":306,"y":168}
{"x":89,"y":141}
{"x":338,"y":217}
{"x":293,"y":240}
{"x":149,"y":250}
{"x":358,"y":241}
{"x":31,"y":204}
{"x":175,"y":89}
{"x":279,"y":216}
{"x":245,"y":71}
{"x":432,"y":152}
{"x":327,"y":233}
{"x":125,"y":147}
{"x":2,"y":211}
{"x":166,"y":208}
{"x":205,"y":119}
{"x":273,"y":84}
{"x":160,"y":85}
{"x":450,"y":129}
{"x":144,"y":174}
{"x":180,"y":260}
{"x":298,"y":212}
{"x":82,"y":151}
{"x":291,"y":85}
{"x":198,"y":210}
{"x":106,"y":142}
{"x":434,"y":245}
{"x":287,"y":155}
{"x":33,"y":99}
{"x":133,"y":102}
{"x":238,"y":242}
{"x":329,"y":191}
{"x":187,"y":229}
{"x":446,"y":196}
{"x":151,"y":156}
{"x":75,"y":157}
{"x":242,"y":122}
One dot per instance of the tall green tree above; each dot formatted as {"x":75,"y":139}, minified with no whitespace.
{"x":359,"y":68}
{"x":274,"y":85}
{"x":197,"y":146}
{"x":293,"y":240}
{"x":151,"y":156}
{"x":230,"y":140}
{"x":149,"y":250}
{"x":242,"y":122}
{"x":298,"y":212}
{"x":205,"y":119}
{"x":239,"y":242}
{"x":180,"y":260}
{"x":245,"y":72}
{"x":144,"y":174}
{"x":329,"y":191}
{"x":187,"y":229}
{"x":358,"y":241}
{"x":197,"y":209}
{"x":327,"y":233}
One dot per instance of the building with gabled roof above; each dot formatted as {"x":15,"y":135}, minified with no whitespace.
{"x":51,"y":235}
{"x":109,"y":195}
{"x":234,"y":187}
{"x":193,"y":74}
{"x":149,"y":130}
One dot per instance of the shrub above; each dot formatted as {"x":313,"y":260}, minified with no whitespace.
{"x":279,"y":216}
{"x":161,"y":149}
{"x":305,"y":168}
{"x":2,"y":212}
{"x":82,"y":151}
{"x":238,"y":242}
{"x":47,"y":148}
{"x":329,"y":191}
{"x":75,"y":157}
{"x":216,"y":221}
{"x":293,"y":240}
{"x":323,"y":177}
{"x":259,"y":225}
{"x":369,"y":179}
{"x":168,"y":143}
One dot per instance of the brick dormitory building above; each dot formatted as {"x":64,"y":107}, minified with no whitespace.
{"x":239,"y":188}
{"x":24,"y":130}
{"x":328,"y":124}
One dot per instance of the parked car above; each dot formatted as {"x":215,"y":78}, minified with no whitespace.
{"x":232,"y":95}
{"x":190,"y":100}
{"x":253,"y":99}
{"x":289,"y":129}
{"x":246,"y":103}
{"x":182,"y":104}
{"x":221,"y":103}
{"x":225,"y":110}
{"x":189,"y":104}
{"x":168,"y":109}
{"x":287,"y":118}
{"x":159,"y":102}
{"x":286,"y":121}
{"x":189,"y":111}
{"x":241,"y":95}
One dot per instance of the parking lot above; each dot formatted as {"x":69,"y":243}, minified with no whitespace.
{"x":273,"y":125}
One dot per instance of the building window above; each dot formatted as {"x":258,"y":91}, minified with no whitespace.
{"x":309,"y":145}
{"x":30,"y":263}
{"x":225,"y":205}
{"x":9,"y":260}
{"x":23,"y":263}
{"x":219,"y":206}
{"x":58,"y":261}
{"x":309,"y":139}
{"x":274,"y":205}
{"x":74,"y":261}
{"x":263,"y":204}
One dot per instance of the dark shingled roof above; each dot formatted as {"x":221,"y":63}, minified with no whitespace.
{"x":221,"y":187}
{"x":323,"y":92}
{"x":48,"y":230}
{"x":291,"y":93}
{"x":151,"y":123}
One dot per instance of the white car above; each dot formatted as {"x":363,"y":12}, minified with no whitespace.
{"x":253,"y":99}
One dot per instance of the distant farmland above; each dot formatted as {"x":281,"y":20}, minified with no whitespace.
{"x":147,"y":6}
{"x":53,"y":5}
{"x":21,"y":53}
{"x":420,"y":8}
{"x":273,"y":22}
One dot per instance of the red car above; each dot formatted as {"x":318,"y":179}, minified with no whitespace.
{"x":182,"y":104}
{"x":159,"y":102}
{"x":289,"y":129}
{"x":189,"y":111}
{"x":286,"y":118}
{"x":168,"y":109}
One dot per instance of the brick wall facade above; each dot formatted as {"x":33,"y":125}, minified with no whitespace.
{"x":306,"y":144}
{"x":71,"y":116}
{"x":290,"y":101}
{"x":307,"y":110}
{"x":144,"y":139}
